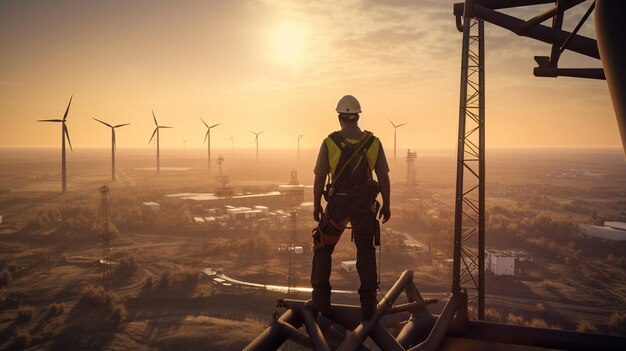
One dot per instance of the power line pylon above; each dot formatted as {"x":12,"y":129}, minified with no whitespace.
{"x":411,"y":178}
{"x":296,"y":194}
{"x":469,"y":220}
{"x":105,"y":235}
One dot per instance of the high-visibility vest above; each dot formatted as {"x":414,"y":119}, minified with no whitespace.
{"x":334,"y":153}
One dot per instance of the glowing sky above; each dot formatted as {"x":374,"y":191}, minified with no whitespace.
{"x":278,"y":66}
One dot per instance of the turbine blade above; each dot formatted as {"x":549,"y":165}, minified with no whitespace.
{"x":49,"y":120}
{"x":153,"y":133}
{"x":400,"y":125}
{"x":114,"y":143}
{"x":68,"y":108}
{"x":67,"y":134}
{"x":215,"y":125}
{"x":154,"y":117}
{"x":164,"y":127}
{"x":261,"y":132}
{"x":204,"y":123}
{"x":121,"y":125}
{"x":390,"y":121}
{"x":206,"y":136}
{"x":105,"y":123}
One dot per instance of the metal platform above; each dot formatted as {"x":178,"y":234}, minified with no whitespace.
{"x":344,"y":330}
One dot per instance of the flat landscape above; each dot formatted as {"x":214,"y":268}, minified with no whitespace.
{"x":182,"y":284}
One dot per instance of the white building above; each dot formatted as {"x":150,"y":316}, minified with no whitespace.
{"x":264,"y":209}
{"x":610,"y":231}
{"x":152,"y":206}
{"x":349,"y":266}
{"x":505,"y":262}
{"x":238,"y":213}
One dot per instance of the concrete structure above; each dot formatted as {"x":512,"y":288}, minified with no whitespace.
{"x":615,"y":231}
{"x":349,"y":266}
{"x":505,"y":262}
{"x":239,"y":213}
{"x":152,"y":206}
{"x":271,"y":199}
{"x":264,"y":209}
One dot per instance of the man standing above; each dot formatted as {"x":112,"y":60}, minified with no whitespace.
{"x":349,"y":156}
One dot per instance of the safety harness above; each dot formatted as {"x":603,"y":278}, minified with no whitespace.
{"x":351,"y":158}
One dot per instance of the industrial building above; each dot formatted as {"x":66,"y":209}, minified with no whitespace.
{"x":152,"y":206}
{"x":610,"y":231}
{"x":348,"y":266}
{"x":505,"y":262}
{"x":272,"y":198}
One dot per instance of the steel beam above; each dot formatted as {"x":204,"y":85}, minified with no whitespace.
{"x":438,"y":332}
{"x":539,"y":337}
{"x":275,"y":335}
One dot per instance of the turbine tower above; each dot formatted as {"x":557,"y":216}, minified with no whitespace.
{"x":208,"y":136}
{"x":256,"y":141}
{"x":299,"y":139}
{"x":395,"y":129}
{"x":64,"y":133}
{"x":113,"y":145}
{"x":232,"y":144}
{"x":156,"y":131}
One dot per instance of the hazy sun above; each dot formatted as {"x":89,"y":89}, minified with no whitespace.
{"x":288,"y":42}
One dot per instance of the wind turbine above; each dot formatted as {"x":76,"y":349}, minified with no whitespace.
{"x":208,"y":136}
{"x":64,"y":133}
{"x":299,"y":139}
{"x":156,"y":131}
{"x":113,"y":145}
{"x":256,"y":141}
{"x":395,"y":129}
{"x":232,"y":144}
{"x":185,"y":147}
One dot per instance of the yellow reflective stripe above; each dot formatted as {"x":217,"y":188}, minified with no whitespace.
{"x":372,"y":153}
{"x":334,"y":153}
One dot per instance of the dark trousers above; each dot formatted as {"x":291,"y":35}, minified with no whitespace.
{"x":356,"y":210}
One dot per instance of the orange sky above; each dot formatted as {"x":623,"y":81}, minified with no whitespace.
{"x":278,"y":66}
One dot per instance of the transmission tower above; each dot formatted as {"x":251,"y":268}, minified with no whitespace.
{"x":411,"y":178}
{"x":469,"y":220}
{"x":223,"y":190}
{"x":106,"y":237}
{"x":296,"y":194}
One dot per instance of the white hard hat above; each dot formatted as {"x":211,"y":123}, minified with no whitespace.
{"x":348,"y":104}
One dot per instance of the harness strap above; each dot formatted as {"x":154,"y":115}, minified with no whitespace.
{"x":367,"y":139}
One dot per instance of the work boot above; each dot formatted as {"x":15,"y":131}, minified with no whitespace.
{"x":315,"y":305}
{"x":368,"y":307}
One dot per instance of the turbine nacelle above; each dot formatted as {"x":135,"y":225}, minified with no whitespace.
{"x":208,"y":129}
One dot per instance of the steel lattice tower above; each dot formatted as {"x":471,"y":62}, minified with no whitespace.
{"x":296,"y":194}
{"x":411,"y":177}
{"x":106,"y":237}
{"x":469,"y":221}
